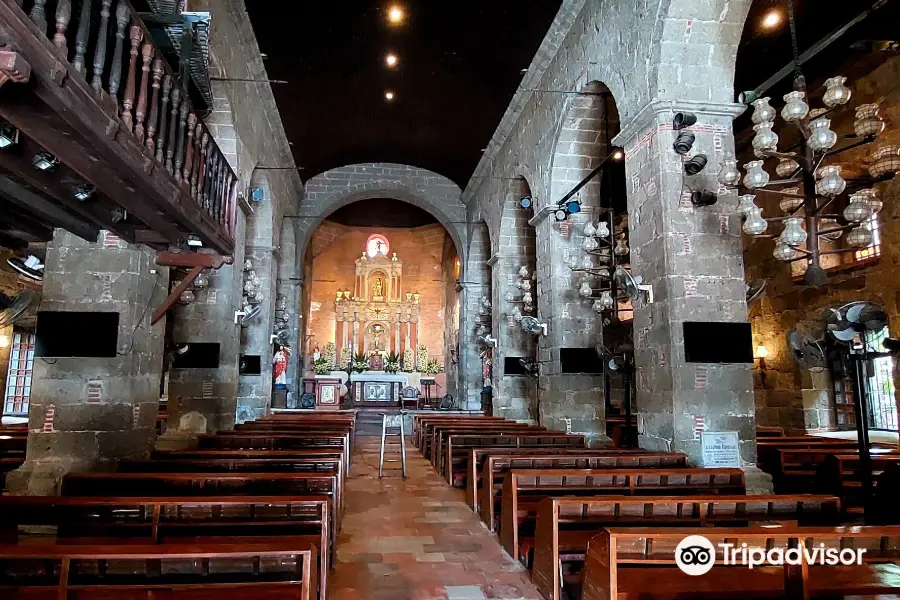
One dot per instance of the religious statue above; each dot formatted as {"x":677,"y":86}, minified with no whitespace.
{"x":379,"y":288}
{"x":279,"y":366}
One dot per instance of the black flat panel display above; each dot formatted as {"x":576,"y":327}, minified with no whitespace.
{"x":512,"y":366}
{"x":197,"y":356}
{"x":580,"y":360}
{"x":717,"y":342}
{"x":64,"y":334}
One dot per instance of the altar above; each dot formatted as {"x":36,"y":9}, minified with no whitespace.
{"x":377,"y":388}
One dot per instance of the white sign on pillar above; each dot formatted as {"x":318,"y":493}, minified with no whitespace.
{"x":720,"y":449}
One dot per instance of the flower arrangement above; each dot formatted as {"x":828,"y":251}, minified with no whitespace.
{"x":392,"y":363}
{"x":322,"y":366}
{"x":330,"y":353}
{"x":346,"y":356}
{"x":421,"y":358}
{"x":360,"y":363}
{"x":433,"y":367}
{"x":409,"y":364}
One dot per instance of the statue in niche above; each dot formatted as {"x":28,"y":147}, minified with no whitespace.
{"x":379,"y":288}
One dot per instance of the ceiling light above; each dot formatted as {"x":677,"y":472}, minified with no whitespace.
{"x":194,"y":242}
{"x":84,"y":192}
{"x":618,"y":154}
{"x":389,"y":96}
{"x":44,"y":161}
{"x":396,"y":15}
{"x":9,"y":135}
{"x":391,"y":60}
{"x":772,"y":19}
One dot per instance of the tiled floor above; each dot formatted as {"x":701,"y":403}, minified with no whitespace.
{"x":416,"y":539}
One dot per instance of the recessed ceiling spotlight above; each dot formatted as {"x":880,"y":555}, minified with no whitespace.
{"x":396,"y":15}
{"x":391,"y":60}
{"x":772,"y":19}
{"x":389,"y":96}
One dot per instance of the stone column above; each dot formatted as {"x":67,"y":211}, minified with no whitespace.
{"x":204,"y":400}
{"x":693,"y":259}
{"x":88,"y":413}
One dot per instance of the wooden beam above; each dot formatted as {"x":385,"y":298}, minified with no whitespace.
{"x":46,"y":210}
{"x":26,"y":223}
{"x":66,"y":91}
{"x":169,"y":302}
{"x":192,"y":259}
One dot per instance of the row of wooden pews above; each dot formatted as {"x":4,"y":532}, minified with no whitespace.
{"x":252,"y":512}
{"x":603,"y":523}
{"x":13,"y":441}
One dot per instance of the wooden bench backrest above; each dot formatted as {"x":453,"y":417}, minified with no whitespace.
{"x":333,"y":452}
{"x":622,"y":548}
{"x":424,"y":426}
{"x":595,"y":513}
{"x":455,"y":454}
{"x":495,"y":467}
{"x":523,"y":489}
{"x":439,"y":433}
{"x":804,"y":461}
{"x":276,"y":441}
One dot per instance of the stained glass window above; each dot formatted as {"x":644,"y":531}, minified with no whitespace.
{"x":377,"y":245}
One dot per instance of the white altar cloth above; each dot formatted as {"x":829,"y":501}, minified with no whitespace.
{"x":381,"y":376}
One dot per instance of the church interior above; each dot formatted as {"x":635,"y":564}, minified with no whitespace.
{"x":385,"y":300}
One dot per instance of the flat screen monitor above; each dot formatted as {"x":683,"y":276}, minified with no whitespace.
{"x":717,"y":342}
{"x":197,"y":356}
{"x":580,"y":360}
{"x":64,"y":334}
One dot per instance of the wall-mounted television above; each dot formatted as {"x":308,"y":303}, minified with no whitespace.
{"x":512,"y":365}
{"x":706,"y":342}
{"x":67,"y":334}
{"x":197,"y":355}
{"x":580,"y":360}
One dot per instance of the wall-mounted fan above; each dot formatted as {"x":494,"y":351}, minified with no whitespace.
{"x":808,"y":352}
{"x":756,"y":290}
{"x":633,"y":288}
{"x":533,"y":326}
{"x":31,"y":267}
{"x":487,"y":340}
{"x":13,"y":307}
{"x":530,"y":365}
{"x":283,"y":337}
{"x":848,"y":324}
{"x":250,"y":313}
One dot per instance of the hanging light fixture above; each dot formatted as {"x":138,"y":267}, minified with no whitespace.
{"x":755,"y":224}
{"x":793,"y":234}
{"x":746,"y":205}
{"x":860,"y":237}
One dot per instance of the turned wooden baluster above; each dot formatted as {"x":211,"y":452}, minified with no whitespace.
{"x":173,"y":129}
{"x":195,"y":169}
{"x":189,"y":149}
{"x":214,"y":184}
{"x":38,"y":15}
{"x":81,"y":36}
{"x":131,"y":81}
{"x":154,"y":106}
{"x":201,"y":171}
{"x":63,"y":16}
{"x":179,"y":149}
{"x":123,"y":14}
{"x":100,"y":49}
{"x":141,"y":110}
{"x":220,"y":185}
{"x":210,"y":175}
{"x":229,"y":205}
{"x":163,"y":113}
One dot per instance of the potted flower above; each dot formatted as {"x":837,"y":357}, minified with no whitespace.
{"x":409,"y":361}
{"x":360,"y":363}
{"x":433,"y":367}
{"x":392,"y":363}
{"x":322,"y":366}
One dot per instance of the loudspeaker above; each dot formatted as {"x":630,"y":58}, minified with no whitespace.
{"x":307,"y":400}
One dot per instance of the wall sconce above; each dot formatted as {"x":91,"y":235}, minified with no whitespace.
{"x":416,"y":297}
{"x":4,"y":341}
{"x":761,"y":352}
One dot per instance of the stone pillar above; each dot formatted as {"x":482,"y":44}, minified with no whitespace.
{"x":204,"y":400}
{"x":88,"y":413}
{"x":693,"y":259}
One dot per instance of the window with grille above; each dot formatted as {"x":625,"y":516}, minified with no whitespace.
{"x":18,"y":378}
{"x":880,"y":384}
{"x":874,"y":250}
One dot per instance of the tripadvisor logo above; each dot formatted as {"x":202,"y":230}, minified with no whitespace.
{"x":696,"y":555}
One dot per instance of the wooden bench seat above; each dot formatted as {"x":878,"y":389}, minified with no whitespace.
{"x":523,"y":491}
{"x":75,"y":571}
{"x":170,"y":520}
{"x":564,"y":525}
{"x":428,"y":427}
{"x":455,"y":455}
{"x":496,"y":466}
{"x":767,"y":449}
{"x":440,"y":432}
{"x":262,"y":441}
{"x":639,"y":563}
{"x":420,"y":424}
{"x":798,"y":467}
{"x":840,"y":474}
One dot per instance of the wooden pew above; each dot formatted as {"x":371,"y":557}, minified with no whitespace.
{"x":204,"y":484}
{"x":263,"y":441}
{"x":435,"y":448}
{"x":426,"y":431}
{"x":523,"y":490}
{"x":639,"y":563}
{"x":420,"y":421}
{"x":767,"y":449}
{"x":457,"y":446}
{"x":171,"y":520}
{"x":233,"y":571}
{"x":13,"y":445}
{"x":245,"y":465}
{"x":496,"y":467}
{"x":767,"y":432}
{"x":798,"y":467}
{"x":564,"y":525}
{"x":840,"y":474}
{"x":335,"y":452}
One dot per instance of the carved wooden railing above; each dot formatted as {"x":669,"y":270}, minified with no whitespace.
{"x":124,"y":66}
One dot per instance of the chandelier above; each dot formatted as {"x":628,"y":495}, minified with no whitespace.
{"x":604,"y":251}
{"x":808,"y":187}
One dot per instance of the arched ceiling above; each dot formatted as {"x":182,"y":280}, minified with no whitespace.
{"x":460,"y":64}
{"x":382,"y":212}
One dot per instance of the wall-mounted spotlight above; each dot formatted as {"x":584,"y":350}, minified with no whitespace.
{"x":9,"y":135}
{"x":748,"y":97}
{"x":257,"y":194}
{"x":561,"y":214}
{"x":684,"y":142}
{"x":44,"y":161}
{"x":683,"y":120}
{"x":696,"y":164}
{"x":525,"y":202}
{"x":704,"y":198}
{"x":84,"y":192}
{"x":573,"y":207}
{"x":194,"y":242}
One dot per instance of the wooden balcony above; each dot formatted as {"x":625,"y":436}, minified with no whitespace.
{"x":84,"y":81}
